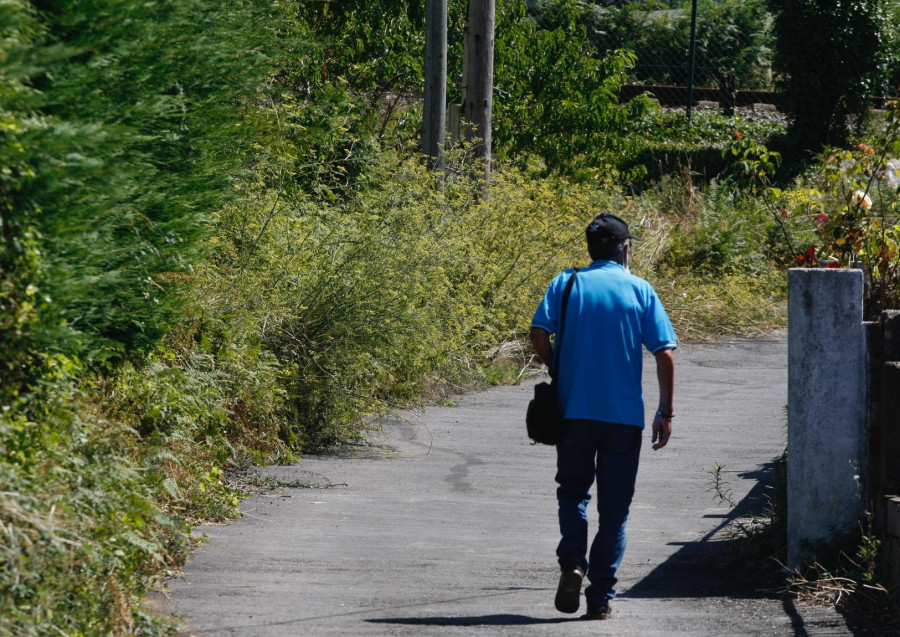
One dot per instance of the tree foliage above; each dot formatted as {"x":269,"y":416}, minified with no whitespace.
{"x":559,"y":99}
{"x":371,"y":51}
{"x":848,"y":42}
{"x":733,"y":40}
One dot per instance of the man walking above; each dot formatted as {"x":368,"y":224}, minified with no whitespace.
{"x":611,"y":314}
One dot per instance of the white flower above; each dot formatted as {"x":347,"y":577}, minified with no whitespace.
{"x":891,"y":175}
{"x":861,"y":199}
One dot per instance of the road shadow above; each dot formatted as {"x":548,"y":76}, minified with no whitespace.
{"x":478,"y":620}
{"x":725,"y":562}
{"x":711,"y":566}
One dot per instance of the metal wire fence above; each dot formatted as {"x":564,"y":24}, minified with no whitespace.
{"x":731,"y":43}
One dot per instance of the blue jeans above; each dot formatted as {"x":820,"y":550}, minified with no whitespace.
{"x":609,"y":452}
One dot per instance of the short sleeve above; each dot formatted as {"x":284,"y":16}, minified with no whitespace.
{"x":546,"y":317}
{"x":657,"y":329}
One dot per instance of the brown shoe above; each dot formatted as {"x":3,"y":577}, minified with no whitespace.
{"x":599,"y":611}
{"x":568,"y":594}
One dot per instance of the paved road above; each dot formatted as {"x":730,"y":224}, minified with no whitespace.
{"x":445,"y":524}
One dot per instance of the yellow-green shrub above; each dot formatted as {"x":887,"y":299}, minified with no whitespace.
{"x":408,"y":283}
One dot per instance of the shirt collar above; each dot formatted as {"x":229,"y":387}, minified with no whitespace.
{"x":602,"y":263}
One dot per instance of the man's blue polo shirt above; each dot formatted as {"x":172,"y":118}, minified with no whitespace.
{"x":610,"y":316}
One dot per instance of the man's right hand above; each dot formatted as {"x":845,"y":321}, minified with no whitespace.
{"x":662,"y":430}
{"x":665,"y":374}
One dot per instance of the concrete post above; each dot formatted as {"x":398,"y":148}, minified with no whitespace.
{"x":827,"y":398}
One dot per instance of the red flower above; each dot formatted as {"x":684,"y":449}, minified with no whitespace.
{"x":833,"y":264}
{"x":808,"y":258}
{"x":784,"y":213}
{"x":822,"y":219}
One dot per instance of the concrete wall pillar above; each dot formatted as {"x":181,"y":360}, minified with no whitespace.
{"x":827,"y":398}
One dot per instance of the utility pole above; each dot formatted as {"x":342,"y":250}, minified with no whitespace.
{"x":434,"y":126}
{"x":478,"y":78}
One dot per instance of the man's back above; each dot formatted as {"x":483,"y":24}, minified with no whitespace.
{"x":611,"y":314}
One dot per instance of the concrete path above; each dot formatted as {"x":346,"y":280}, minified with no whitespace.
{"x":446,"y":525}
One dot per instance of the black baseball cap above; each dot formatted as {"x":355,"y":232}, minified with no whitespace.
{"x":608,"y":228}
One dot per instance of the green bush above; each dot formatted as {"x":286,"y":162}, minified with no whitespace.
{"x":670,"y":144}
{"x":23,"y":304}
{"x":704,"y":130}
{"x":119,"y":134}
{"x":560,"y":103}
{"x":197,"y":410}
{"x":851,"y":41}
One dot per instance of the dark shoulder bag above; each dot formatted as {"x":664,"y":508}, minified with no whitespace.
{"x":543,"y":418}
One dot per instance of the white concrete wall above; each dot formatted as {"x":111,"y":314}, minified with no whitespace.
{"x":827,"y":398}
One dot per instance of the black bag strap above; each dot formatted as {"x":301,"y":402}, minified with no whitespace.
{"x":562,"y":321}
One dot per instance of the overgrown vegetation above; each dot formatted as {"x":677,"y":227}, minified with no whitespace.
{"x":218,"y":248}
